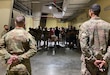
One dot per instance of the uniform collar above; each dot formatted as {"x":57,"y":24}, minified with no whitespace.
{"x":95,"y":18}
{"x":19,"y":28}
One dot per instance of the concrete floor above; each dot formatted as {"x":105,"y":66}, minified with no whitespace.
{"x":63,"y":61}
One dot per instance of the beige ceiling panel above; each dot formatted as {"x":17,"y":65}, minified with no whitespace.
{"x":78,"y":1}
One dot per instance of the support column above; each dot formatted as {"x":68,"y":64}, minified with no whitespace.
{"x":6,"y":7}
{"x":36,"y":11}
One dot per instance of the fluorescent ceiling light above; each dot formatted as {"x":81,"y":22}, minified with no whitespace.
{"x":50,"y":7}
{"x":63,"y":13}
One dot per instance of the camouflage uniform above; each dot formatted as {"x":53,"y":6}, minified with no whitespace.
{"x":94,"y":36}
{"x":4,"y":32}
{"x":22,"y":44}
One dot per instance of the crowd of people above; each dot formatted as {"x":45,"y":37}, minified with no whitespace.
{"x":64,"y":37}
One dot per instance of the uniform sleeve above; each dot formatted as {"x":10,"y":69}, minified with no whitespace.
{"x":32,"y":49}
{"x":107,"y":54}
{"x":2,"y":33}
{"x":3,"y":52}
{"x":84,"y":38}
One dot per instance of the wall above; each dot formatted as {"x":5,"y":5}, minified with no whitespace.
{"x":5,"y":13}
{"x":80,"y":19}
{"x":53,"y":22}
{"x":29,"y":22}
{"x":105,"y":15}
{"x":28,"y":19}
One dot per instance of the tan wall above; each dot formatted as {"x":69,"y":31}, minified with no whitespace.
{"x":29,"y":22}
{"x":105,"y":15}
{"x":80,"y":19}
{"x":29,"y":19}
{"x":53,"y":22}
{"x":5,"y":13}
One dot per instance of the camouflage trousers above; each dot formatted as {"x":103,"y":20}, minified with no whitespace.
{"x":88,"y":68}
{"x":22,"y":68}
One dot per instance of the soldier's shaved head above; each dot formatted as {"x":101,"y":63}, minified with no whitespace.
{"x":96,"y":8}
{"x":20,"y":20}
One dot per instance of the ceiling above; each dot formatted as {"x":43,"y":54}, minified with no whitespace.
{"x":63,"y":9}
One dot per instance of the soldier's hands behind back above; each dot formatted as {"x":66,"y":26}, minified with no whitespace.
{"x":100,"y":64}
{"x":13,"y":59}
{"x":103,"y":63}
{"x":97,"y":62}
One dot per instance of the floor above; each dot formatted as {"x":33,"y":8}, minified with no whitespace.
{"x":59,"y":61}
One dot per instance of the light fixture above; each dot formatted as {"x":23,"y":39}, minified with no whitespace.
{"x":63,"y":13}
{"x":50,"y":7}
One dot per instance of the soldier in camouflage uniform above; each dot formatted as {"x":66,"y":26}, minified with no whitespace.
{"x":16,"y":47}
{"x":5,"y":30}
{"x":95,"y":45}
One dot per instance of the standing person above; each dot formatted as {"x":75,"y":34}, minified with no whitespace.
{"x":6,"y":29}
{"x":16,"y":47}
{"x":51,"y":33}
{"x":46,"y":35}
{"x":57,"y":32}
{"x":38,"y":34}
{"x":94,"y":39}
{"x":72,"y":38}
{"x":63,"y":35}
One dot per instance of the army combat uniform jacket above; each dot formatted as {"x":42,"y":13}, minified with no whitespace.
{"x":21,"y":43}
{"x":94,"y":40}
{"x":4,"y":32}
